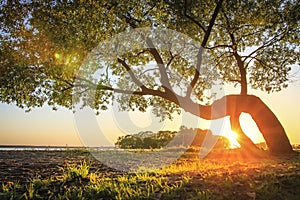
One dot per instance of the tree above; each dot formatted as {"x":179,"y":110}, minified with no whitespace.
{"x":272,"y":34}
{"x":33,"y":74}
{"x":129,"y":142}
{"x":146,"y":141}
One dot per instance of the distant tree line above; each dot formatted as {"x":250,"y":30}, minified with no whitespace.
{"x":145,"y":140}
{"x":185,"y":137}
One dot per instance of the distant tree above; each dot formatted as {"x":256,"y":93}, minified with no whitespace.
{"x":155,"y":141}
{"x":164,"y":137}
{"x":129,"y":142}
{"x":150,"y":143}
{"x":43,"y":44}
{"x":184,"y":137}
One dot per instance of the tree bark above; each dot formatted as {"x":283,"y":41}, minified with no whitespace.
{"x":268,"y":124}
{"x":243,"y":74}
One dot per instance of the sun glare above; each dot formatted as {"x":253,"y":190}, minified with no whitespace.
{"x":57,"y":56}
{"x":232,"y":137}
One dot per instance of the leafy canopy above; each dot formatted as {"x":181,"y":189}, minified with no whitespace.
{"x":44,"y":44}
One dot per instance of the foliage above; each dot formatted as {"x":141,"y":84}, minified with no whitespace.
{"x":43,"y":45}
{"x":167,"y":55}
{"x":135,"y":141}
{"x":268,"y":37}
{"x":185,"y":137}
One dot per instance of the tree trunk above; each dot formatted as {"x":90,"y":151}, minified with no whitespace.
{"x":268,"y":124}
{"x":243,"y":74}
{"x":243,"y":139}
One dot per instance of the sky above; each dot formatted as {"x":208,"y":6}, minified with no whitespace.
{"x":43,"y":126}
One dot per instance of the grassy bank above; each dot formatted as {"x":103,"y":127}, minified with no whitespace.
{"x":230,"y":176}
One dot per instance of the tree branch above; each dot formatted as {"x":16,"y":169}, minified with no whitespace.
{"x":131,"y":20}
{"x":219,"y":46}
{"x":132,"y":75}
{"x":91,"y":85}
{"x":191,"y":18}
{"x":241,"y":67}
{"x":203,"y":44}
{"x":161,"y":66}
{"x":148,"y":70}
{"x":257,"y":59}
{"x":146,"y":92}
{"x":143,"y":51}
{"x":116,"y":90}
{"x":266,"y":44}
{"x":247,"y":65}
{"x":171,"y":59}
{"x":234,"y":80}
{"x":220,"y":59}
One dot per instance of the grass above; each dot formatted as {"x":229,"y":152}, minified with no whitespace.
{"x":76,"y":172}
{"x":187,"y":178}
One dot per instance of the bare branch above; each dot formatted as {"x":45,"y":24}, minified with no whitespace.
{"x":132,"y":21}
{"x":211,"y":23}
{"x":69,"y":83}
{"x":82,"y":92}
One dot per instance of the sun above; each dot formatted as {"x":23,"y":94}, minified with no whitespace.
{"x":232,"y":137}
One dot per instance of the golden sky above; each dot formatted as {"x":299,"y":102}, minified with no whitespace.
{"x":42,"y":126}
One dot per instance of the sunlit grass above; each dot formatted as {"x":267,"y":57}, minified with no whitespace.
{"x":76,"y":172}
{"x":187,"y":178}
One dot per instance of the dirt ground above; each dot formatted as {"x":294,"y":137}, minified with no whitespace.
{"x":24,"y":165}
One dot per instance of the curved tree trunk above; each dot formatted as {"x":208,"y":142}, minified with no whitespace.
{"x":268,"y":124}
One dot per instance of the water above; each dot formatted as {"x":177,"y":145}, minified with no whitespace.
{"x":47,"y":148}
